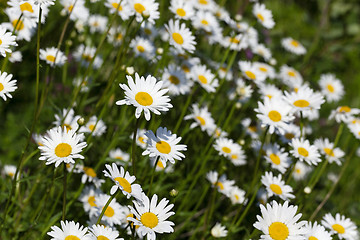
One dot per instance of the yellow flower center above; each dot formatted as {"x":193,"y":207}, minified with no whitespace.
{"x":276,"y":188}
{"x":226,"y":150}
{"x":174,"y":80}
{"x":250,"y":75}
{"x":63,"y":150}
{"x":87,"y":57}
{"x":291,"y":74}
{"x":181,"y":12}
{"x":301,"y":103}
{"x":178,"y":38}
{"x":1,"y":43}
{"x":344,"y":109}
{"x":312,"y":238}
{"x":269,"y":96}
{"x":289,"y":136}
{"x":116,"y":6}
{"x":202,"y":79}
{"x":220,"y":185}
{"x":274,"y":116}
{"x":185,"y":68}
{"x":141,"y":139}
{"x":89,"y":171}
{"x":204,"y":22}
{"x":263,"y":69}
{"x":50,"y":58}
{"x":1,"y":87}
{"x":101,"y":237}
{"x":119,"y":37}
{"x":252,"y":128}
{"x":298,"y":170}
{"x":329,"y":152}
{"x":201,"y":120}
{"x":260,"y":17}
{"x":19,"y":24}
{"x":109,"y":212}
{"x":70,"y":8}
{"x":278,"y":231}
{"x":234,"y":40}
{"x":68,"y":127}
{"x":139,"y":8}
{"x":236,"y":197}
{"x":124,"y":184}
{"x":160,"y":165}
{"x":294,"y":43}
{"x":149,"y":220}
{"x":330,"y":88}
{"x":204,"y":2}
{"x":92,"y":127}
{"x":26,"y":7}
{"x":303,"y":152}
{"x":72,"y":237}
{"x":275,"y":159}
{"x":140,"y":48}
{"x":143,"y":98}
{"x":163,"y":147}
{"x":338,"y":228}
{"x":91,"y":201}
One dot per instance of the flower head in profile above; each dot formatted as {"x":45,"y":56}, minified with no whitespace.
{"x":100,"y":232}
{"x":6,"y":41}
{"x":146,"y":95}
{"x":61,"y":145}
{"x":218,"y":231}
{"x":152,"y":216}
{"x":164,"y":145}
{"x":263,"y":15}
{"x":6,"y":85}
{"x":53,"y":56}
{"x":316,"y":231}
{"x":293,"y":46}
{"x":68,"y":230}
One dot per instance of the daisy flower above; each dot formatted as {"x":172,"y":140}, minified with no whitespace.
{"x":164,"y":145}
{"x":15,"y":56}
{"x":355,"y":129}
{"x":316,"y":231}
{"x":85,"y":55}
{"x":327,"y":149}
{"x":280,"y":222}
{"x":277,"y":157}
{"x":68,"y":230}
{"x":275,"y":114}
{"x":175,"y":80}
{"x":142,"y":8}
{"x":202,"y":118}
{"x":343,"y":114}
{"x":331,"y":87}
{"x":293,"y":46}
{"x":204,"y":77}
{"x":237,"y":195}
{"x":300,"y":171}
{"x":118,"y":154}
{"x":9,"y":170}
{"x":242,"y":91}
{"x":6,"y":85}
{"x":238,"y":158}
{"x":123,"y":181}
{"x":6,"y":40}
{"x":53,"y":56}
{"x":343,"y":227}
{"x":67,"y":119}
{"x":222,"y":184}
{"x":100,"y":232}
{"x":146,"y":95}
{"x":151,"y":216}
{"x":124,"y":10}
{"x":114,"y":213}
{"x":263,"y":15}
{"x":90,"y":176}
{"x":218,"y":231}
{"x":304,"y":99}
{"x":269,"y":91}
{"x":141,"y":138}
{"x":268,"y":70}
{"x":236,"y":43}
{"x":142,"y":47}
{"x":180,"y":36}
{"x":44,"y":2}
{"x":94,"y":126}
{"x":251,"y":72}
{"x":61,"y":145}
{"x":182,"y":9}
{"x":303,"y":151}
{"x":88,"y":197}
{"x":276,"y":186}
{"x":205,"y":20}
{"x":204,"y":4}
{"x":291,"y":131}
{"x":97,"y":23}
{"x":290,"y":76}
{"x":226,"y":147}
{"x":262,"y":51}
{"x":76,"y":8}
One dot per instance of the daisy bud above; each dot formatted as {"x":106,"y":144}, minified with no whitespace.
{"x":122,"y":67}
{"x":241,"y":141}
{"x":174,"y":192}
{"x":307,"y":190}
{"x":238,"y":105}
{"x":145,"y":14}
{"x":81,"y":121}
{"x":68,"y":42}
{"x":130,"y":70}
{"x":238,"y":17}
{"x":160,"y":51}
{"x":273,"y":61}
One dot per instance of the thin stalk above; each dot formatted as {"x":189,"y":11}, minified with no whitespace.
{"x":64,"y":192}
{"x":106,"y":206}
{"x":183,"y":111}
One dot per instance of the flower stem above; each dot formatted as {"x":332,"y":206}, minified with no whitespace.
{"x":64,"y":192}
{"x":106,"y":206}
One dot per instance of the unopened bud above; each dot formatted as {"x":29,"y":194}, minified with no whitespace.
{"x":273,"y":61}
{"x":160,"y":51}
{"x":130,"y":70}
{"x":238,"y":17}
{"x":81,"y":121}
{"x":241,"y":141}
{"x":145,"y":14}
{"x":307,"y":190}
{"x":174,"y":192}
{"x":238,"y":105}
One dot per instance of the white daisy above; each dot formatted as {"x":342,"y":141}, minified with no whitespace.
{"x":97,"y":23}
{"x":275,"y":114}
{"x":68,"y":230}
{"x":237,"y":195}
{"x":262,"y":51}
{"x":293,"y":46}
{"x":290,"y":76}
{"x":9,"y":170}
{"x":151,"y":217}
{"x":123,"y":181}
{"x":53,"y":56}
{"x":242,"y":91}
{"x":343,"y":114}
{"x":146,"y":95}
{"x":269,"y":91}
{"x":94,"y":126}
{"x":67,"y":119}
{"x":15,"y":57}
{"x":263,"y":15}
{"x":61,"y":145}
{"x":331,"y":87}
{"x":180,"y":36}
{"x":100,"y":232}
{"x":280,"y":222}
{"x":251,"y":72}
{"x":6,"y":85}
{"x":316,"y":232}
{"x":142,"y":47}
{"x":88,"y":196}
{"x":218,"y":231}
{"x":89,"y":175}
{"x":276,"y":186}
{"x":148,"y":8}
{"x":182,"y":9}
{"x":222,"y":184}
{"x":204,"y":77}
{"x":164,"y":145}
{"x":226,"y":147}
{"x":205,"y":20}
{"x":175,"y":80}
{"x":119,"y":155}
{"x":304,"y":99}
{"x":6,"y":40}
{"x":202,"y":118}
{"x":124,"y":10}
{"x":303,"y":151}
{"x":343,"y":227}
{"x":301,"y":170}
{"x":141,"y":138}
{"x":268,"y":70}
{"x":277,"y":157}
{"x":327,"y":149}
{"x":291,"y":131}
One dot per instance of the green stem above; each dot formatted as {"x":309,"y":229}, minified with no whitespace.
{"x":106,"y":206}
{"x":64,"y":192}
{"x":185,"y":107}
